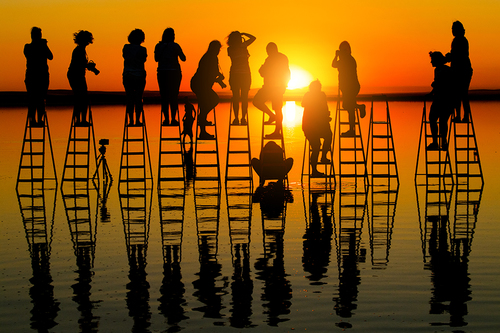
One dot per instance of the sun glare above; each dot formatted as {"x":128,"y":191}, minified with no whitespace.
{"x":292,"y":114}
{"x":300,"y":78}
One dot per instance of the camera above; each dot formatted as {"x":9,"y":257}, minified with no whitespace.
{"x":104,"y":142}
{"x":91,"y":67}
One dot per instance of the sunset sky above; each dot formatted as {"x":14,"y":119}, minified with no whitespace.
{"x":390,"y":39}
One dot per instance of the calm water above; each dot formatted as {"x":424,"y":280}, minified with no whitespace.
{"x":393,"y":267}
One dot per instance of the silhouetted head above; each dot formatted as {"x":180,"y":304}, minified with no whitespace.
{"x":234,"y":39}
{"x":437,"y":59}
{"x":271,"y":48}
{"x":168,"y":35}
{"x":315,"y":86}
{"x":345,"y":48}
{"x":36,"y":33}
{"x":214,"y":47}
{"x":137,"y":37}
{"x":457,"y":29}
{"x":83,"y":38}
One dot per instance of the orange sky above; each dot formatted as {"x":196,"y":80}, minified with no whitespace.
{"x":390,"y":39}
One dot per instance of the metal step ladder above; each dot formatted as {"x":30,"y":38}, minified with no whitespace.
{"x":77,"y":160}
{"x":171,"y":154}
{"x":238,"y":158}
{"x":381,"y":151}
{"x":239,"y":213}
{"x":134,"y":166}
{"x":206,"y":154}
{"x":32,"y":161}
{"x":467,"y":161}
{"x":352,"y":158}
{"x":437,"y":162}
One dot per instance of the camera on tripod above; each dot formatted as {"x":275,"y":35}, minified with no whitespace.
{"x":103,"y":143}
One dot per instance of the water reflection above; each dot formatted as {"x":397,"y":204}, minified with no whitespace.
{"x":211,"y":285}
{"x":83,"y":235}
{"x":172,"y":301}
{"x":38,"y":230}
{"x":446,"y":245}
{"x":136,"y":216}
{"x":270,"y":266}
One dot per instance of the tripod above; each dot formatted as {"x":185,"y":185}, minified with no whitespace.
{"x":106,"y":174}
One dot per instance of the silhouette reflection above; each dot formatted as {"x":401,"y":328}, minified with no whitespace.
{"x":317,"y":244}
{"x":277,"y":291}
{"x":210,"y":285}
{"x":239,"y":211}
{"x":83,"y":235}
{"x":39,"y":236}
{"x":172,"y":301}
{"x":352,"y":209}
{"x":136,"y":216}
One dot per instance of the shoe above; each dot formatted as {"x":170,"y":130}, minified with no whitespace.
{"x":465,"y":120}
{"x":433,"y":146}
{"x":362,"y":110}
{"x":165,"y":123}
{"x":206,"y":123}
{"x":271,"y":120}
{"x":317,"y":174}
{"x":243,"y":121}
{"x":456,"y":120}
{"x":274,"y":135}
{"x":174,"y":123}
{"x":84,"y":124}
{"x":444,"y":146}
{"x":206,"y":136}
{"x":235,"y":122}
{"x":325,"y":160}
{"x":349,"y":133}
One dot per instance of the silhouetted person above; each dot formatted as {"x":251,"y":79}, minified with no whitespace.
{"x":272,"y":164}
{"x":37,"y":76}
{"x":316,"y":125}
{"x":167,"y":54}
{"x":187,"y":121}
{"x":134,"y":75}
{"x":201,"y":84}
{"x":348,"y":84}
{"x":76,"y":75}
{"x":239,"y":74}
{"x":442,"y":103}
{"x":276,"y":74}
{"x":461,"y":69}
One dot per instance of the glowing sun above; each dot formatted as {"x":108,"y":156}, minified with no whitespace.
{"x":300,"y":78}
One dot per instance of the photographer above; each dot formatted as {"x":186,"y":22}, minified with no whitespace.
{"x":76,"y":76}
{"x":201,"y":84}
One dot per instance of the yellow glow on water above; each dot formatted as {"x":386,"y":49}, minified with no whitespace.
{"x":292,"y":114}
{"x":299,"y":78}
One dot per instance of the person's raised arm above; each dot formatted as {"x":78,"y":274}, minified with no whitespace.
{"x":250,"y":40}
{"x":336,"y":60}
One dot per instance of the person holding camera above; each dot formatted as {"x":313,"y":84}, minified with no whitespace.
{"x":134,"y":75}
{"x":201,"y":84}
{"x":239,"y":74}
{"x":276,"y":74}
{"x":76,"y":75}
{"x":37,"y":76}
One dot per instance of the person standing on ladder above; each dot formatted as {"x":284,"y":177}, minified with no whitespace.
{"x":276,"y":74}
{"x":37,"y":75}
{"x":442,"y":102}
{"x":239,"y":74}
{"x":348,"y":84}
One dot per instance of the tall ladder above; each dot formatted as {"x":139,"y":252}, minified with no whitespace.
{"x":352,"y":159}
{"x":467,"y":162}
{"x":171,"y":157}
{"x":238,"y":158}
{"x":76,"y":163}
{"x":437,"y":162}
{"x":380,"y":150}
{"x":32,"y":161}
{"x":133,"y":164}
{"x":206,"y":154}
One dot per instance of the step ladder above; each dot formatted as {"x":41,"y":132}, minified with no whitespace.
{"x":206,"y":154}
{"x":207,"y":202}
{"x":32,"y":161}
{"x":352,"y":159}
{"x":238,"y":158}
{"x":171,"y":203}
{"x":77,"y":160}
{"x":381,"y":151}
{"x":381,"y":223}
{"x":328,"y":168}
{"x":467,"y":161}
{"x":437,"y":162}
{"x":239,"y":213}
{"x":134,"y":165}
{"x":171,"y":154}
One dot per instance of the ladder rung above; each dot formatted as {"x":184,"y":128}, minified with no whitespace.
{"x":206,"y":165}
{"x":31,"y":167}
{"x":352,"y":175}
{"x":380,"y":122}
{"x":351,"y":149}
{"x":32,"y":153}
{"x":383,"y":163}
{"x":464,"y":135}
{"x":34,"y":140}
{"x":466,"y":148}
{"x":239,"y":152}
{"x":468,"y":175}
{"x":76,"y":166}
{"x":381,"y":136}
{"x":133,"y":180}
{"x":352,"y":162}
{"x":132,"y":166}
{"x":386,"y":175}
{"x":171,"y":166}
{"x":170,"y":179}
{"x":467,"y":162}
{"x":238,"y":178}
{"x":76,"y":179}
{"x":30,"y":180}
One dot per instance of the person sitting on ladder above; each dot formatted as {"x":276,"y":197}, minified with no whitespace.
{"x":348,"y":84}
{"x":316,"y":125}
{"x":442,"y":101}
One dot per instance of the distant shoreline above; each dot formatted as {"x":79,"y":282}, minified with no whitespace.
{"x":65,"y":98}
